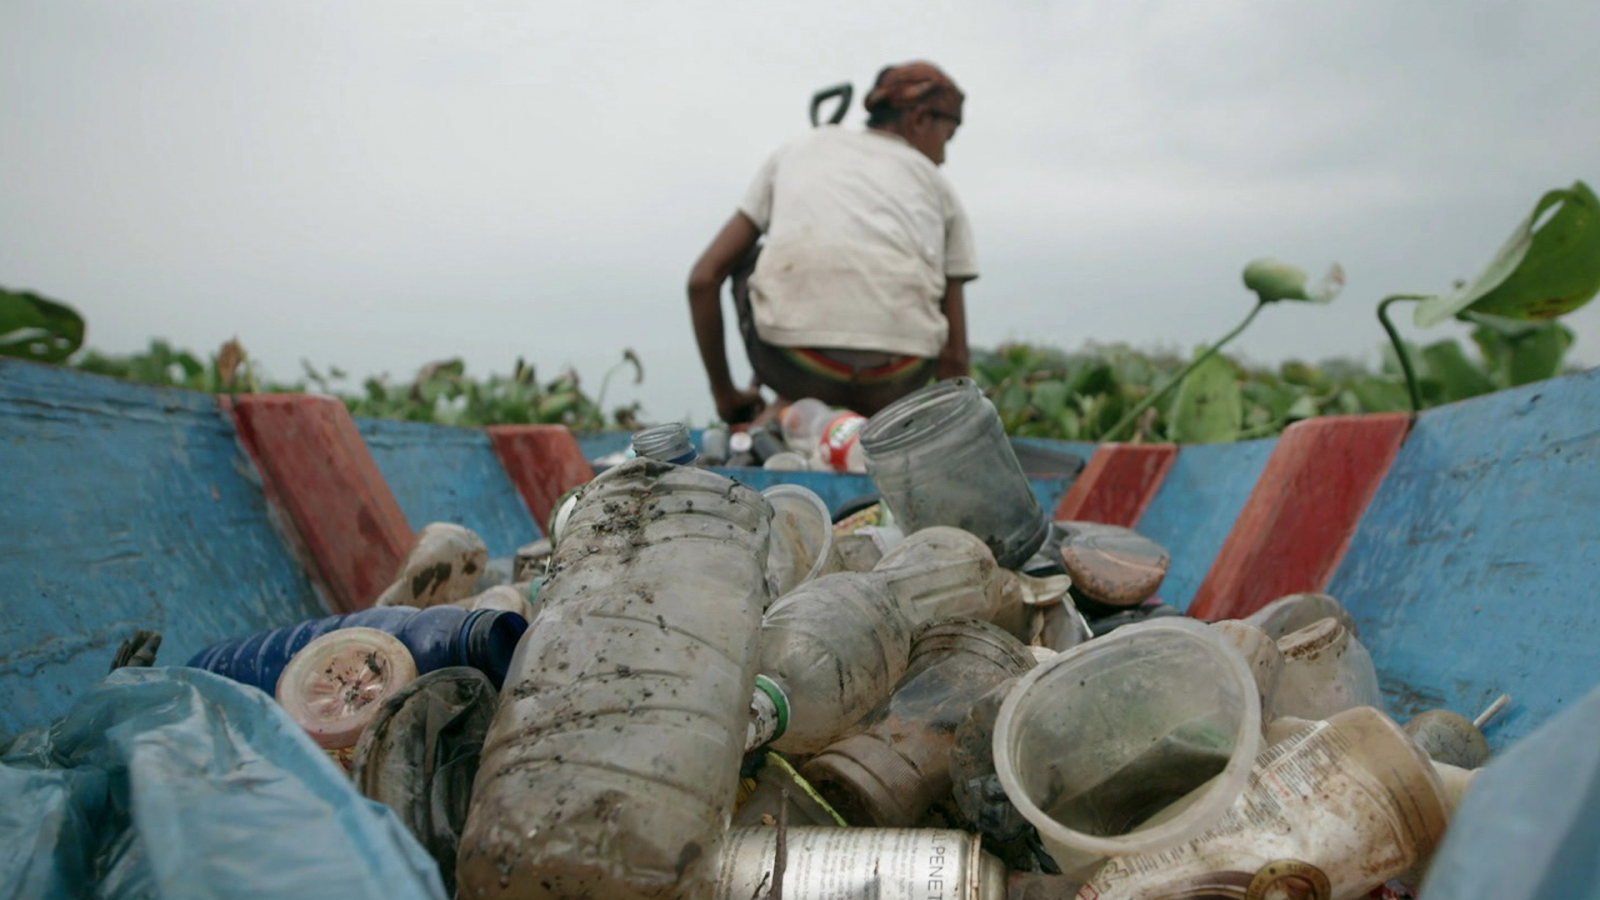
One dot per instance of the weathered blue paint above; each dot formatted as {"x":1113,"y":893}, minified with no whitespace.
{"x":440,"y":473}
{"x":1474,"y":569}
{"x":1193,"y":510}
{"x":125,"y":507}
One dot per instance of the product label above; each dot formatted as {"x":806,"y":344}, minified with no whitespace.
{"x":845,"y":863}
{"x":1313,"y":823}
{"x":838,"y":438}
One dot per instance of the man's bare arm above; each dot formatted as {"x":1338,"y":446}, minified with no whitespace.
{"x":953,"y":359}
{"x":730,"y":245}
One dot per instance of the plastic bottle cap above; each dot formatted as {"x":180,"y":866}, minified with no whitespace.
{"x":335,"y":684}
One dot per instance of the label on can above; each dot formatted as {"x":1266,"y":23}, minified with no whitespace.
{"x":839,"y":438}
{"x":886,"y":864}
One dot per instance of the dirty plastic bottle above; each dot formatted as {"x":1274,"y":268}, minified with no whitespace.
{"x":803,"y":422}
{"x":1292,"y":612}
{"x":835,"y":645}
{"x":1334,"y":810}
{"x":443,"y":565}
{"x":939,"y":456}
{"x":667,"y":443}
{"x":881,"y":863}
{"x":896,"y":764}
{"x":437,"y":637}
{"x":1261,"y":653}
{"x":612,"y":764}
{"x":1325,"y":670}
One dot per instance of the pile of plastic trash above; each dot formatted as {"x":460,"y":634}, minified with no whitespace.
{"x":693,"y":689}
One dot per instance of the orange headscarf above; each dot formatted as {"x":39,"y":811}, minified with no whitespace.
{"x":915,"y":84}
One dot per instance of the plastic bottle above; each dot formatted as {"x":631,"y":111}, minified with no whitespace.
{"x":443,"y":565}
{"x":939,"y":456}
{"x":839,"y":447}
{"x":667,"y":443}
{"x":1261,"y":653}
{"x":612,"y":764}
{"x":1332,"y":811}
{"x":1293,"y":612}
{"x":437,"y":637}
{"x":803,"y":422}
{"x":1325,"y":670}
{"x":881,"y":863}
{"x":835,"y":645}
{"x":896,"y":764}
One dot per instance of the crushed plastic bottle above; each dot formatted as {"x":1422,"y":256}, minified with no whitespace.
{"x":1332,"y":811}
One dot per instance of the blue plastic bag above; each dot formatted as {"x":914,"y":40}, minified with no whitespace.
{"x":178,"y":784}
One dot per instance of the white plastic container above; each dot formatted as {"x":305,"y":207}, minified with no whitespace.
{"x":1325,"y":671}
{"x":1332,"y":811}
{"x":1131,"y":743}
{"x":1261,"y":653}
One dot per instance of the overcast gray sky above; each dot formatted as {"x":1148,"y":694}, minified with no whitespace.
{"x":376,"y":185}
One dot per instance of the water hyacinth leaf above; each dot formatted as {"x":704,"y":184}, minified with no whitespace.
{"x":1050,"y":398}
{"x":1373,"y":395}
{"x":1304,"y":407}
{"x":1540,"y":272}
{"x":1207,"y":409}
{"x":1273,"y":280}
{"x":1458,"y":378}
{"x":37,"y":328}
{"x":1539,"y":355}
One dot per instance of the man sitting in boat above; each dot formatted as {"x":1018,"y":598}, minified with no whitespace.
{"x":855,"y":297}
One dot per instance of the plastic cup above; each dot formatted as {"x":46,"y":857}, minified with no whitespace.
{"x":1130,"y":743}
{"x":802,"y":538}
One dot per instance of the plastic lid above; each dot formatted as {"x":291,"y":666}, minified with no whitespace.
{"x":334,"y":686}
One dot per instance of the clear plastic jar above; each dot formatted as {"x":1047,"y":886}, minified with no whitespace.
{"x":940,"y":456}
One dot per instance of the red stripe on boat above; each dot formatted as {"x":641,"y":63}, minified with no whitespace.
{"x":318,"y":472}
{"x":543,"y":461}
{"x":1117,"y":484}
{"x":1294,"y":529}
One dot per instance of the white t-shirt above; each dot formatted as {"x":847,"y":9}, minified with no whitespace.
{"x":862,"y":233}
